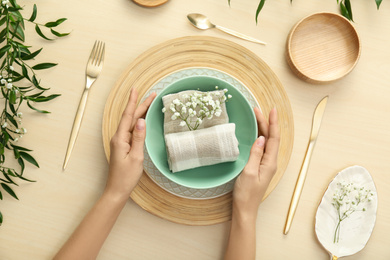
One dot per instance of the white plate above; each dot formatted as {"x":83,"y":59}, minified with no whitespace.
{"x":356,"y":229}
{"x":149,"y":167}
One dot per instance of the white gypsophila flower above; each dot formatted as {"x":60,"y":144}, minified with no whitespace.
{"x":173,"y":117}
{"x":16,"y":139}
{"x":194,"y":104}
{"x":216,"y":87}
{"x":183,"y":110}
{"x":24,"y":130}
{"x":216,"y":94}
{"x":176,"y":101}
{"x":9,"y":85}
{"x":176,"y":114}
{"x":17,"y":130}
{"x":217,"y":114}
{"x":3,"y":81}
{"x":164,"y":110}
{"x":185,"y":96}
{"x":11,"y":68}
{"x":182,"y":123}
{"x":199,"y":121}
{"x":188,"y":104}
{"x":4,"y":125}
{"x":229,"y":96}
{"x":225,"y":90}
{"x":172,"y":107}
{"x":9,"y":80}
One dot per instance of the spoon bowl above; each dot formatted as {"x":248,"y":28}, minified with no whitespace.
{"x":200,"y":21}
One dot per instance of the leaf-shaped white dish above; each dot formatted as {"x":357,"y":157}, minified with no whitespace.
{"x":356,"y":229}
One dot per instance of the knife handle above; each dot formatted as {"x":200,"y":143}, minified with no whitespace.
{"x":76,"y":126}
{"x":299,"y":186}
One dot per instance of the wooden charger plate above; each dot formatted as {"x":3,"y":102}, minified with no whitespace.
{"x":323,"y":47}
{"x":198,"y":51}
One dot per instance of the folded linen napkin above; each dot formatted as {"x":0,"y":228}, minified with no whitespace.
{"x":203,"y":147}
{"x":172,"y":126}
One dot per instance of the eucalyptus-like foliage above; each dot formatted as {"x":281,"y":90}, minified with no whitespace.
{"x":345,"y":8}
{"x":19,"y":84}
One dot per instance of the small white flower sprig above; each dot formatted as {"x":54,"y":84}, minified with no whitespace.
{"x":197,"y":107}
{"x":348,"y":199}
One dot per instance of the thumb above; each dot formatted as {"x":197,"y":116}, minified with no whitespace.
{"x":256,"y":155}
{"x":138,"y":137}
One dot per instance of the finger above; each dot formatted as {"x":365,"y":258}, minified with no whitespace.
{"x":261,"y":123}
{"x":272,"y":147}
{"x":128,"y":114}
{"x":255,"y":156}
{"x":138,"y":139}
{"x":274,"y":135}
{"x":141,"y":110}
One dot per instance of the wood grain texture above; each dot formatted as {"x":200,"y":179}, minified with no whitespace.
{"x":323,"y":47}
{"x":187,"y":52}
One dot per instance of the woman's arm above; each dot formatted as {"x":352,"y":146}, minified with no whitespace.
{"x":126,"y":167}
{"x":250,"y":188}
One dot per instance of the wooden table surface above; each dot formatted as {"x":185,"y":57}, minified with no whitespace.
{"x":355,"y":129}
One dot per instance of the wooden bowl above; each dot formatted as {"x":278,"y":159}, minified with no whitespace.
{"x":150,"y":3}
{"x":323,"y":47}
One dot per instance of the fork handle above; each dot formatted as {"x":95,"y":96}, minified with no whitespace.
{"x":76,"y":125}
{"x":239,"y":35}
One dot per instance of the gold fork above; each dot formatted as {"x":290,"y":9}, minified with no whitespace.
{"x":94,"y":67}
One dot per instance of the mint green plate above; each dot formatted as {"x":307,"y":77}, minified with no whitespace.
{"x":240,"y":112}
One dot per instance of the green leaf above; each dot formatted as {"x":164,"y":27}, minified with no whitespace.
{"x":9,"y":179}
{"x":43,"y":66}
{"x":259,"y":7}
{"x":29,"y":158}
{"x":12,"y":97}
{"x":2,"y":20}
{"x":5,"y":49}
{"x":21,"y":163}
{"x":56,"y":23}
{"x":378,"y":3}
{"x":32,"y":55}
{"x":229,"y":2}
{"x":9,"y":190}
{"x":20,"y":148}
{"x":58,"y":34}
{"x":1,"y":215}
{"x":11,"y":119}
{"x":344,"y":11}
{"x":25,"y":72}
{"x":36,"y":109}
{"x":349,"y":8}
{"x":34,"y":14}
{"x":39,"y":32}
{"x":45,"y":99}
{"x":1,"y":198}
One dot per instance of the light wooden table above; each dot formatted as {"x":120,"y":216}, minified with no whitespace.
{"x":355,"y":130}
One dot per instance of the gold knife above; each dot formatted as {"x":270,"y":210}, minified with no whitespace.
{"x":315,"y":128}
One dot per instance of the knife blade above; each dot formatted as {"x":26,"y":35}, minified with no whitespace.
{"x":315,"y":128}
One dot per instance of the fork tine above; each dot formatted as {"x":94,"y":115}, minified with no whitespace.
{"x":101,"y":59}
{"x":92,"y":55}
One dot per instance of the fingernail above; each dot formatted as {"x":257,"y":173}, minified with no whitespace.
{"x":260,"y":141}
{"x":140,"y":124}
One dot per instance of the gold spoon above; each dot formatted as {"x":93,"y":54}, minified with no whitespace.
{"x":200,"y":21}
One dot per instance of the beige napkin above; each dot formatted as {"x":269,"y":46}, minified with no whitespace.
{"x":203,"y":147}
{"x":172,"y":126}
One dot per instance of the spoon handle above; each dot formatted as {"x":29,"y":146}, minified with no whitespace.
{"x":239,"y":35}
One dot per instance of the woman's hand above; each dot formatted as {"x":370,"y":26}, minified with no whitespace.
{"x":251,"y":185}
{"x":127,"y":148}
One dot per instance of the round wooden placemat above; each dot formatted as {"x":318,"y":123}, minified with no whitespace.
{"x":198,"y":51}
{"x":150,"y":3}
